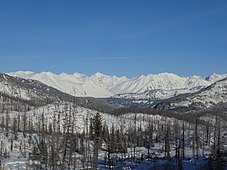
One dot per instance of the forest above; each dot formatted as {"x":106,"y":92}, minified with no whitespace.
{"x":63,"y":135}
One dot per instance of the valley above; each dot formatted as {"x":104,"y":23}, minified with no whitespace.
{"x":45,"y":128}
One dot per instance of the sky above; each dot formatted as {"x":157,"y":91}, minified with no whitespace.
{"x":116,"y":37}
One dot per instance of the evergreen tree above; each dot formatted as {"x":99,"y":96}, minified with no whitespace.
{"x":97,"y":125}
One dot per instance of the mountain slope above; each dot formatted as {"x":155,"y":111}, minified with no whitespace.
{"x":151,"y":86}
{"x":162,"y":86}
{"x":106,"y":81}
{"x":37,"y":93}
{"x":213,"y":95}
{"x":75,"y":84}
{"x":25,"y":89}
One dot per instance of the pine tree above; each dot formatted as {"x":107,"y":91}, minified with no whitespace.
{"x":97,"y":125}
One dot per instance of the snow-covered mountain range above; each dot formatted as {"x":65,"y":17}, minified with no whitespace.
{"x":151,"y":86}
{"x":208,"y":97}
{"x":34,"y":92}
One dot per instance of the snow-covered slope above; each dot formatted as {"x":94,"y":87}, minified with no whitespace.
{"x":22,"y":88}
{"x":162,"y":86}
{"x":106,"y":81}
{"x":201,"y":100}
{"x":151,"y":86}
{"x":75,"y":84}
{"x":34,"y":92}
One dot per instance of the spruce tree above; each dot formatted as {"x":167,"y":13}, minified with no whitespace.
{"x":97,"y":125}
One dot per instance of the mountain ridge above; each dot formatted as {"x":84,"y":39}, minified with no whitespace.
{"x":99,"y":85}
{"x":36,"y":93}
{"x":209,"y":97}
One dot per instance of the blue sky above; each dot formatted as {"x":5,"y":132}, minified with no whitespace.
{"x":117,"y":37}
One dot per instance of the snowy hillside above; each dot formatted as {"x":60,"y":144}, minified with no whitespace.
{"x":22,"y":88}
{"x":37,"y":93}
{"x":151,"y":86}
{"x":203,"y":99}
{"x":75,"y":84}
{"x":36,"y":135}
{"x":106,"y":81}
{"x":162,"y":86}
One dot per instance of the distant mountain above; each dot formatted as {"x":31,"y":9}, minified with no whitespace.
{"x":75,"y":84}
{"x":213,"y":95}
{"x":151,"y":86}
{"x":163,"y":86}
{"x":34,"y":92}
{"x":108,"y":82}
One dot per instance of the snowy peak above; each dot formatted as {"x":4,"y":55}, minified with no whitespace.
{"x":99,"y":75}
{"x":75,"y":84}
{"x":106,"y":81}
{"x":206,"y":98}
{"x":215,"y":77}
{"x":165,"y":82}
{"x":99,"y":85}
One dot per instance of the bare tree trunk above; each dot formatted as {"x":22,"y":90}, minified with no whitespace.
{"x":183,"y":141}
{"x":96,"y":152}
